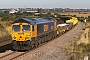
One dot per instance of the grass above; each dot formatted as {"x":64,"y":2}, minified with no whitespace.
{"x":1,"y":26}
{"x":4,"y":29}
{"x":77,"y":51}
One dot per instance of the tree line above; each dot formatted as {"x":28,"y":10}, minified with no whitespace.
{"x":6,"y":16}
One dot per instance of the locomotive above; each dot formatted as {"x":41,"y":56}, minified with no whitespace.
{"x":28,"y":33}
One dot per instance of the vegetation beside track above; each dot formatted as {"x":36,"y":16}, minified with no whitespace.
{"x":80,"y":47}
{"x":4,"y":29}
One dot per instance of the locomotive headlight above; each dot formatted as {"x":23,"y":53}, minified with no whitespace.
{"x":27,"y":38}
{"x":13,"y":38}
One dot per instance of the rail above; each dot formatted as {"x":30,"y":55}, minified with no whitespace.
{"x":5,"y":40}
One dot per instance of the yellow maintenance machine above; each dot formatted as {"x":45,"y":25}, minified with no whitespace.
{"x":72,"y":20}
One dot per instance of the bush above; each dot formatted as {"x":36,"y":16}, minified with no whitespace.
{"x":7,"y":18}
{"x":1,"y":26}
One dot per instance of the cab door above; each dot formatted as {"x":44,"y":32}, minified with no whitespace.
{"x":34,"y":30}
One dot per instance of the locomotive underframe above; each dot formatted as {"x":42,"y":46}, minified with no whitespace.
{"x":36,"y":41}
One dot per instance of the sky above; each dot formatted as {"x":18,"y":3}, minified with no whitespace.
{"x":45,"y":4}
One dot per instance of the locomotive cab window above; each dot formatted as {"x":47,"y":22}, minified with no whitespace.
{"x":16,"y":28}
{"x":25,"y":28}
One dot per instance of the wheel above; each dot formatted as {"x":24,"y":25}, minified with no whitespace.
{"x":36,"y":44}
{"x":28,"y":45}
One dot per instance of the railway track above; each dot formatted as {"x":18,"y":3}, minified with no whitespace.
{"x":5,"y":40}
{"x":14,"y":55}
{"x":11,"y":55}
{"x":7,"y":54}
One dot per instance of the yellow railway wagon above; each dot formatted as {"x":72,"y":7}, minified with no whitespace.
{"x":62,"y":28}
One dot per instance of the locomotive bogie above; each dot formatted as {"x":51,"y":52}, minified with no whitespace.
{"x":21,"y":45}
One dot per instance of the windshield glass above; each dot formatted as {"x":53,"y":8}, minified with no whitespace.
{"x":16,"y":28}
{"x":25,"y":27}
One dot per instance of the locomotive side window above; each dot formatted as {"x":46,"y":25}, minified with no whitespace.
{"x":16,"y":28}
{"x":25,"y":28}
{"x":32,"y":27}
{"x":51,"y":27}
{"x":45,"y":27}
